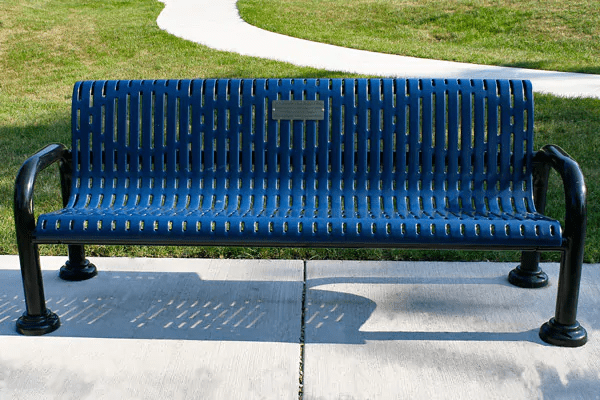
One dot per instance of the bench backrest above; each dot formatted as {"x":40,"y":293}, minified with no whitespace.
{"x":458,"y":142}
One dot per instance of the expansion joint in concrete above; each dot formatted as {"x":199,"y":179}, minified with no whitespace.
{"x":302,"y":332}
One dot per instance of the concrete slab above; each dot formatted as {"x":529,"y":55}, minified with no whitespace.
{"x":398,"y":330}
{"x":157,"y":329}
{"x":218,"y":25}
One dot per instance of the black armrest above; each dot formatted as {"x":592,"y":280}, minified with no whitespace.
{"x":563,"y":329}
{"x":554,"y":157}
{"x":25,"y":181}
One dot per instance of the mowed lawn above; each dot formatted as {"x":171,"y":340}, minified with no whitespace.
{"x":45,"y":46}
{"x":540,"y":34}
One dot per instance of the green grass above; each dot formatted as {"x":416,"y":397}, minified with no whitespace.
{"x":541,"y":34}
{"x":47,"y":45}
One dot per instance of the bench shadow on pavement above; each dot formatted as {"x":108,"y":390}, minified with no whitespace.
{"x":182,"y":306}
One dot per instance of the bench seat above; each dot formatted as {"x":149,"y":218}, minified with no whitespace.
{"x":298,"y":227}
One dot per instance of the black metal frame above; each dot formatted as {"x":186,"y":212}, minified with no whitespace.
{"x":562,"y":330}
{"x":37,"y":319}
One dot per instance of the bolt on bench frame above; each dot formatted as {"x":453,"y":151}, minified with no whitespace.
{"x":407,"y":163}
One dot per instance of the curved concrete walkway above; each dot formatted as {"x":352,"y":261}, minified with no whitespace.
{"x":217,"y":24}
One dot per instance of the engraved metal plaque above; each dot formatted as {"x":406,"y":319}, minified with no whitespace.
{"x":303,"y":110}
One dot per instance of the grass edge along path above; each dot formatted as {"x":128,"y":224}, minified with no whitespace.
{"x":46,"y":46}
{"x":537,"y":34}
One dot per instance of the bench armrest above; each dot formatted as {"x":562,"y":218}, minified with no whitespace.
{"x":551,"y":156}
{"x":25,"y":182}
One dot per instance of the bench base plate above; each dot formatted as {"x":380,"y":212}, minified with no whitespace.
{"x":38,"y":325}
{"x":563,"y":335}
{"x":81,"y":272}
{"x":528,"y":279}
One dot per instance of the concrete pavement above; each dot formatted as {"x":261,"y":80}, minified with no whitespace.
{"x":157,"y":329}
{"x":231,"y":329}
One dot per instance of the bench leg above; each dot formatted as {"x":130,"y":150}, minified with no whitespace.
{"x":77,"y":268}
{"x":563,"y":329}
{"x":528,"y":274}
{"x":37,"y":319}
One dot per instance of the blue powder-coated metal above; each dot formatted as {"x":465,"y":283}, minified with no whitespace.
{"x":305,"y":162}
{"x":392,"y":163}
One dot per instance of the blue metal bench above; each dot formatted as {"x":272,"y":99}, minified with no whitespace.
{"x":304,"y":162}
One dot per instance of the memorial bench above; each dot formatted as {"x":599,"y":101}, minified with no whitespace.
{"x":410,"y":163}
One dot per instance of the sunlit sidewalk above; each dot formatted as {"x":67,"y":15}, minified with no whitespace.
{"x":230,"y":329}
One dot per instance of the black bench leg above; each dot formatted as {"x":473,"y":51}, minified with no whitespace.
{"x":77,"y":268}
{"x":563,"y":329}
{"x":37,"y":319}
{"x":528,"y":274}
